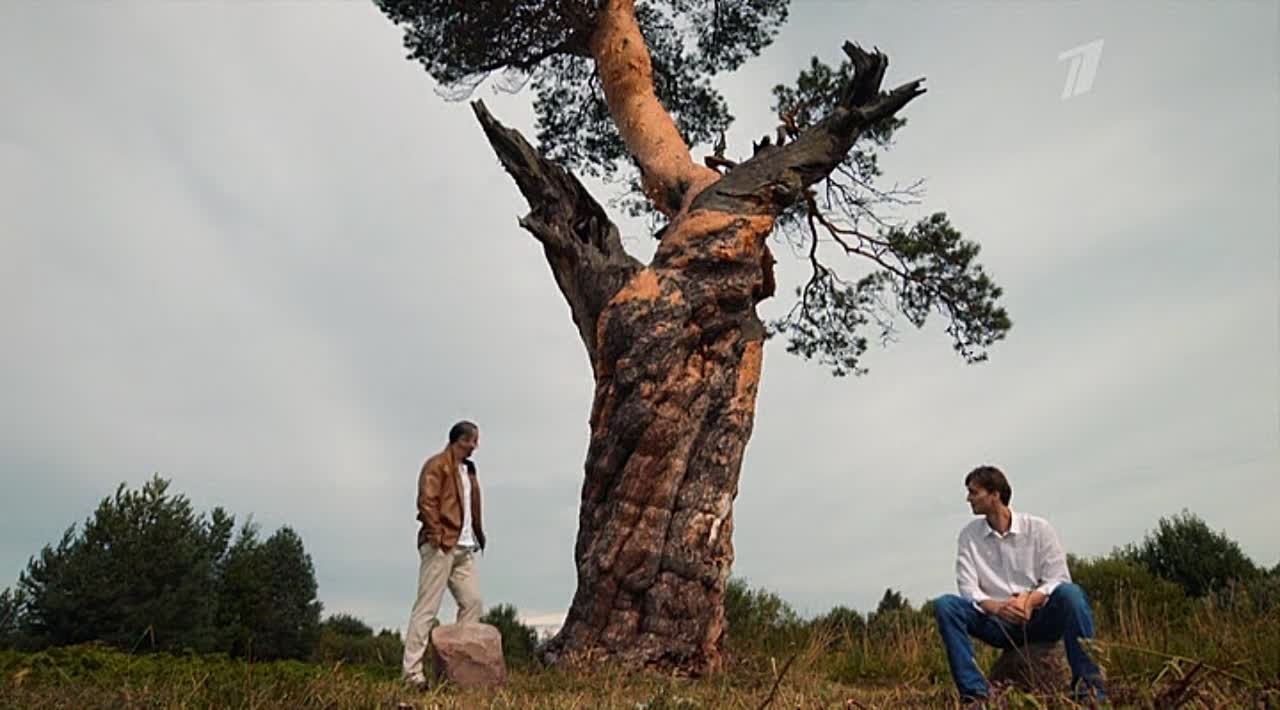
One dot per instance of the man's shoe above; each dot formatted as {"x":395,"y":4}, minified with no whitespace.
{"x":1094,"y":698}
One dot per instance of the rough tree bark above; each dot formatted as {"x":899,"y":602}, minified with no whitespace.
{"x":676,"y":349}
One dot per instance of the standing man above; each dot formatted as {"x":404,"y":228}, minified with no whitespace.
{"x":1014,"y":588}
{"x":451,"y":533}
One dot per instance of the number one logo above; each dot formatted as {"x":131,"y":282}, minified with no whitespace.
{"x":1082,"y":68}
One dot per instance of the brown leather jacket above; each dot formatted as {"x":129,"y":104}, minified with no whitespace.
{"x":440,"y":502}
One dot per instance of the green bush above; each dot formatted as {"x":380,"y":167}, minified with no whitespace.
{"x":841,"y":628}
{"x":10,"y":610}
{"x":1257,"y":597}
{"x":1117,"y":587}
{"x":759,"y":621}
{"x":386,"y":649}
{"x":267,"y":604}
{"x":519,"y":642}
{"x":346,"y":625}
{"x":898,"y":644}
{"x":138,"y":575}
{"x":1185,"y":551}
{"x":146,"y":572}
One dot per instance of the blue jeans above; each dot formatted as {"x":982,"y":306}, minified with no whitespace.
{"x":1066,"y":615}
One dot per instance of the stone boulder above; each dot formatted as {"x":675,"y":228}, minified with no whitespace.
{"x":1035,"y":667}
{"x":468,"y":655}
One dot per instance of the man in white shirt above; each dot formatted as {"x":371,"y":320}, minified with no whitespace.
{"x":1014,"y":588}
{"x":452,"y":531}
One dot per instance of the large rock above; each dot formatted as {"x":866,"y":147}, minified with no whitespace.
{"x":1035,"y":667}
{"x":469,"y":655}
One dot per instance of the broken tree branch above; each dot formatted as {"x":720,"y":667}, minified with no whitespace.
{"x":777,"y":175}
{"x":582,"y":245}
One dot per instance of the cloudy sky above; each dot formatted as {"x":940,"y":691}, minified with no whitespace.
{"x":247,"y":247}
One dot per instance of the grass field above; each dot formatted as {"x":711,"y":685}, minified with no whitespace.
{"x":1207,"y":660}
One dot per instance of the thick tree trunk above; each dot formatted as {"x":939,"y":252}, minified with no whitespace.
{"x":676,"y":349}
{"x":679,"y":362}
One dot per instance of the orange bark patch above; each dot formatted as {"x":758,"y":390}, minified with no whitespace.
{"x":750,"y":232}
{"x":695,"y":367}
{"x":643,"y":286}
{"x":699,"y":223}
{"x":744,"y":393}
{"x":753,"y":233}
{"x":677,"y":388}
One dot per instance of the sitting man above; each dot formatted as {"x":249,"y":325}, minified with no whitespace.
{"x":1014,"y":589}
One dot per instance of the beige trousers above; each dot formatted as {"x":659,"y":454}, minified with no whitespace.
{"x":457,"y":569}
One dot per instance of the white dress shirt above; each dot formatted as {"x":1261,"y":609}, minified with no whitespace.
{"x":994,"y":566}
{"x":466,"y":538}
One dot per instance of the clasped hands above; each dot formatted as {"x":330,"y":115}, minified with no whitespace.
{"x":1016,"y":609}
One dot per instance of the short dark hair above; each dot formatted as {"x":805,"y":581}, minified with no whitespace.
{"x":461,"y":429}
{"x":992,"y":479}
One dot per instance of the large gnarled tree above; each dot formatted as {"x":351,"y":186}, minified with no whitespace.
{"x":623,"y":87}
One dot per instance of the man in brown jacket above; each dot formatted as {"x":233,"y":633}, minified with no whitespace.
{"x":450,"y":535}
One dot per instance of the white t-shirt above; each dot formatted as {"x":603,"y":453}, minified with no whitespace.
{"x":467,"y":537}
